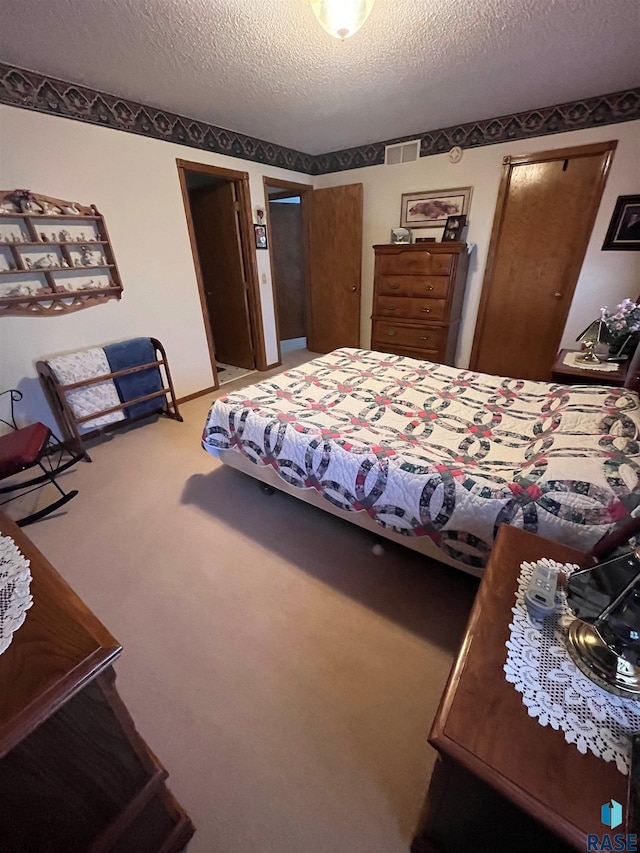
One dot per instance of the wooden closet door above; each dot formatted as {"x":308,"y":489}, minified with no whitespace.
{"x":544,"y":216}
{"x":335,"y":266}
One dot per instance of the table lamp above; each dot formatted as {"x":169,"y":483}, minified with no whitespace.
{"x":604,"y":641}
{"x":596,"y":333}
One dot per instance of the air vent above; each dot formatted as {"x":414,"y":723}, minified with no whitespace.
{"x":403,"y":152}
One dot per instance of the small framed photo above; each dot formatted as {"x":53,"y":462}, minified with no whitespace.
{"x":624,"y":228}
{"x":400,"y":235}
{"x":453,"y":228}
{"x":261,"y":236}
{"x":425,"y":239}
{"x":431,"y":209}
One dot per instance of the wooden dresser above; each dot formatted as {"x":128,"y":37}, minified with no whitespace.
{"x":418,"y":294}
{"x":75,"y":775}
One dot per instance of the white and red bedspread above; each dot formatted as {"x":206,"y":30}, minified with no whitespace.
{"x":431,"y":450}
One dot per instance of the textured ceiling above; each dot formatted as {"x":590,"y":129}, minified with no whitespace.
{"x":266,"y":68}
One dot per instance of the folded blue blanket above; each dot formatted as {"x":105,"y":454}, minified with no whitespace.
{"x":130,"y":354}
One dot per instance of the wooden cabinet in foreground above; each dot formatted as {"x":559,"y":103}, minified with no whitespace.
{"x":55,"y":256}
{"x":418,"y":295}
{"x":75,"y":775}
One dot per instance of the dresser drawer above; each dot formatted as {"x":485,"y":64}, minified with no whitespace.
{"x":420,"y":337}
{"x":411,"y":308}
{"x":412,"y":285}
{"x":419,"y":354}
{"x":414,"y":263}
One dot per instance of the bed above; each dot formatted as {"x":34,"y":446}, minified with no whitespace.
{"x":436,"y":457}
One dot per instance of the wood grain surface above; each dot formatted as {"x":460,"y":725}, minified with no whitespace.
{"x":484,"y":726}
{"x":335,"y":248}
{"x":58,"y":649}
{"x":546,"y":208}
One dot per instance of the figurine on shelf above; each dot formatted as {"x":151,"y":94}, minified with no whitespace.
{"x":24,"y":200}
{"x":70,"y":210}
{"x":65,"y":236}
{"x":44,"y":237}
{"x":46,"y":263}
{"x":49,"y":209}
{"x":64,"y":263}
{"x":22,"y":290}
{"x":87,"y":257}
{"x":28,"y":264}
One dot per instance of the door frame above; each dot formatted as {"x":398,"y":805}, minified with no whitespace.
{"x":573,"y":271}
{"x":241,"y":181}
{"x":289,"y":189}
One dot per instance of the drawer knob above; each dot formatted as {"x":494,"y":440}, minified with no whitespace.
{"x":429,"y":286}
{"x":426,"y":310}
{"x":391,"y":307}
{"x":394,"y":285}
{"x":424,"y":337}
{"x":391,"y":333}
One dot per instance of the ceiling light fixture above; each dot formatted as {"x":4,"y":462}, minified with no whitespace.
{"x":342,"y":18}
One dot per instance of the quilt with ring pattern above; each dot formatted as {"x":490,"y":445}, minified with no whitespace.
{"x":431,"y":450}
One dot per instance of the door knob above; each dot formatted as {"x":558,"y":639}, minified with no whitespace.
{"x":557,"y":294}
{"x":353,"y":289}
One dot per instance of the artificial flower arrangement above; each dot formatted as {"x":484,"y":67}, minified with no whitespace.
{"x":625,"y":320}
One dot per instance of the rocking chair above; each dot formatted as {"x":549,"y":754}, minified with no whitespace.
{"x":33,"y":446}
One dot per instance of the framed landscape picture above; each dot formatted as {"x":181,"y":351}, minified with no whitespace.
{"x":432,"y":208}
{"x":624,"y":228}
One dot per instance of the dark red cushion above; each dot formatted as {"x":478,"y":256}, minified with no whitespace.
{"x":20,"y":448}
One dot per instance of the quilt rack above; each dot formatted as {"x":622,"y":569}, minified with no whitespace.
{"x":70,"y":423}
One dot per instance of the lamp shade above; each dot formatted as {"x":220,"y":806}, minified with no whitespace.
{"x":342,"y":18}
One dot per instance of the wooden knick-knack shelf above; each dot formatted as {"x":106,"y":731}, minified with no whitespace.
{"x":55,"y":256}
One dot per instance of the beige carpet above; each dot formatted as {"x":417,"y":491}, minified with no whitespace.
{"x":285,"y":675}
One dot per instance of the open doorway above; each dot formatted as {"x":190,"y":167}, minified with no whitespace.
{"x":217,"y":207}
{"x":287,"y":219}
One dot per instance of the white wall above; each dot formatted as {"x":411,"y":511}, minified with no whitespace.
{"x":133,"y":181}
{"x":606,"y":277}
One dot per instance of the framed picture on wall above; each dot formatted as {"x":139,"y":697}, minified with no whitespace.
{"x":261,"y":236}
{"x":624,"y":228}
{"x":432,"y":208}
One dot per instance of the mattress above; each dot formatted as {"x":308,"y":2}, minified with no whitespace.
{"x":430,"y":450}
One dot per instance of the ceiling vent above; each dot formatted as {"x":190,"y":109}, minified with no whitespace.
{"x":403,"y":152}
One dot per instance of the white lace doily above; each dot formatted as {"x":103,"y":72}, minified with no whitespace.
{"x":556,"y":692}
{"x":571,"y":359}
{"x":15,"y":598}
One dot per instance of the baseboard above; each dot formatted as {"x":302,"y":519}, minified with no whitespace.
{"x":196,"y":394}
{"x":272,"y":366}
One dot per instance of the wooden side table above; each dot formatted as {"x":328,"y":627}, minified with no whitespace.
{"x":75,"y":775}
{"x":502,"y":781}
{"x":561,"y":372}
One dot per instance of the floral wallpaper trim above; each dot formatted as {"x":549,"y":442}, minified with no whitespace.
{"x":575,"y":115}
{"x":34,"y":91}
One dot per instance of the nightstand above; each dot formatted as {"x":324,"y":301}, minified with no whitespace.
{"x":561,"y":372}
{"x":503,"y":782}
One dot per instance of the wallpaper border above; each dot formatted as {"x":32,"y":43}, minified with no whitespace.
{"x":545,"y":121}
{"x":34,"y":91}
{"x":31,"y":90}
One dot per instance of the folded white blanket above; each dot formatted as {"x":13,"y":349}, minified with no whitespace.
{"x":77,"y":367}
